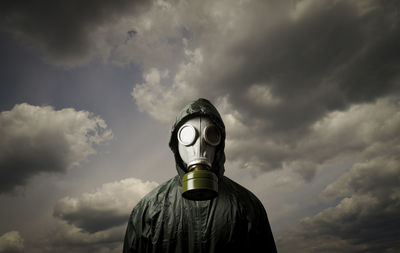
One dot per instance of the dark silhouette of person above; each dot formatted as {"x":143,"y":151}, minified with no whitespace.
{"x":199,"y":210}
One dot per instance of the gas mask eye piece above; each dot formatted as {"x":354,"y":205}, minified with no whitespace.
{"x":212,"y":135}
{"x":187,"y":135}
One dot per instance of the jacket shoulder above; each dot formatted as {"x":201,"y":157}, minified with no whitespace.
{"x":240,"y":190}
{"x":143,"y":221}
{"x":157,"y":196}
{"x":259,"y":231}
{"x":245,"y":197}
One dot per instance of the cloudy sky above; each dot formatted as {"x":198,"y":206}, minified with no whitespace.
{"x":309,"y":92}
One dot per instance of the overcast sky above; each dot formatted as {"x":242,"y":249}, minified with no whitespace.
{"x":309,"y":92}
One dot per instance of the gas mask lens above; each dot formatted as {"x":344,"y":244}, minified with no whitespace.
{"x":212,"y":135}
{"x":187,"y":135}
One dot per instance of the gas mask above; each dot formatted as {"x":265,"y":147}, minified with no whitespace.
{"x":198,"y":139}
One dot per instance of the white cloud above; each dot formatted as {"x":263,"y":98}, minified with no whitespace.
{"x":95,"y":221}
{"x":106,"y":207}
{"x":68,"y":238}
{"x":41,"y":139}
{"x":11,"y":242}
{"x":162,"y":101}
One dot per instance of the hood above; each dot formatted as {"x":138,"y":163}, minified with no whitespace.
{"x":201,"y":107}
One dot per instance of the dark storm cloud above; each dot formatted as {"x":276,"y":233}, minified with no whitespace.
{"x":63,"y":29}
{"x":366,"y":218}
{"x":354,"y":132}
{"x":38,"y":139}
{"x":93,"y":220}
{"x":331,"y":56}
{"x":285,"y":66}
{"x":367,"y":195}
{"x":285,"y":77}
{"x":105,"y":208}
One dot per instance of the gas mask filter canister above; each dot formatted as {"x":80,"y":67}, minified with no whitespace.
{"x":198,"y":139}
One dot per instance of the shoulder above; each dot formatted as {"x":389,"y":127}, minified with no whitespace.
{"x":245,"y":197}
{"x":144,"y":222}
{"x":239,"y":190}
{"x":157,"y":196}
{"x":258,"y":234}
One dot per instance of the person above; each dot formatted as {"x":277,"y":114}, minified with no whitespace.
{"x":196,"y":211}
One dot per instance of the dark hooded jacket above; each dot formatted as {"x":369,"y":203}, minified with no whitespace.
{"x":164,"y":221}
